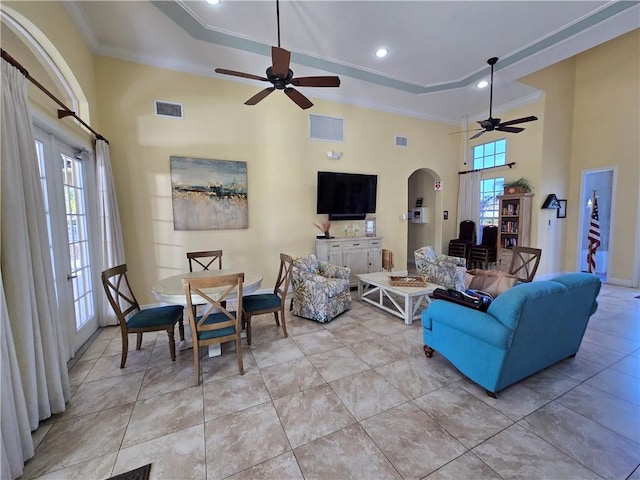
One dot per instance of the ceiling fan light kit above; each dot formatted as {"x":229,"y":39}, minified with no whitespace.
{"x":491,"y":124}
{"x":281,"y":76}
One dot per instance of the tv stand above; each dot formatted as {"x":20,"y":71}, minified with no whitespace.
{"x":360,"y":254}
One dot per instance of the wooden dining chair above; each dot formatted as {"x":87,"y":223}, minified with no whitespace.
{"x":524,"y":262}
{"x":134,"y":320}
{"x":217,"y":324}
{"x":205,"y":260}
{"x":270,"y":302}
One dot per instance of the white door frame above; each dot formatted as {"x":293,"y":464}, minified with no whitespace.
{"x":584,"y":218}
{"x":59,"y":141}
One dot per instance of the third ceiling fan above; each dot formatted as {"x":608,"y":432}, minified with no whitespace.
{"x":491,"y":124}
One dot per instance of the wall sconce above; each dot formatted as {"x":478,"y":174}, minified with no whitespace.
{"x":551,"y":201}
{"x":334,"y":155}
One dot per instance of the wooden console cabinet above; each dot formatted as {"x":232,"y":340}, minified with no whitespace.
{"x":360,"y":254}
{"x":514,"y":225}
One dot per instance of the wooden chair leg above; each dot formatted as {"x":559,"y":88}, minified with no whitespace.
{"x":275,"y":314}
{"x":172,"y":344}
{"x":239,"y":354}
{"x":247,"y":327}
{"x":125,"y":350}
{"x":284,"y":323}
{"x":181,"y":328}
{"x":428,"y":351}
{"x":138,"y":341}
{"x":196,"y":362}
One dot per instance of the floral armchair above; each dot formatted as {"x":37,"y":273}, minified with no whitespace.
{"x":443,"y":270}
{"x":320,"y":289}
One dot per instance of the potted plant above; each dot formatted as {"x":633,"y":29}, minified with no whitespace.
{"x":521,"y":185}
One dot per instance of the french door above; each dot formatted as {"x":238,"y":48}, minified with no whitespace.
{"x":66,"y":175}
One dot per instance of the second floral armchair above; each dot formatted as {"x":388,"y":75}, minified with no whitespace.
{"x":443,"y":270}
{"x":320,"y":290}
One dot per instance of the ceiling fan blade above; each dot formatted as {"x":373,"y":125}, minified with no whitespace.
{"x":502,"y":128}
{"x":280,"y":59}
{"x":302,"y":101}
{"x":519,"y":120}
{"x":477,"y":134}
{"x":465,"y":131}
{"x":259,"y":96}
{"x":224,"y":71}
{"x":326,"y":81}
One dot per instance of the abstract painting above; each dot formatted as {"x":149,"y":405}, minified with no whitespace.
{"x":208,"y":194}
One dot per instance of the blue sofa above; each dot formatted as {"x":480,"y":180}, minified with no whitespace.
{"x":526,"y":329}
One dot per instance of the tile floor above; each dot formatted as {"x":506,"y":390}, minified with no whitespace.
{"x":355,"y":398}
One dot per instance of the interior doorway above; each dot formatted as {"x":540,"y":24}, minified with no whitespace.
{"x":425,"y":227}
{"x":600,"y":183}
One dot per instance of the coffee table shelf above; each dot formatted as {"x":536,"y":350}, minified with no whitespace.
{"x":404,"y":302}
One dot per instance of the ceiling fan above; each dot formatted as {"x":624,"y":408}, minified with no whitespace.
{"x":491,"y":124}
{"x":280,"y":76}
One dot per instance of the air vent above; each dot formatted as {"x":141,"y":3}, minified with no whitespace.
{"x":168,"y":109}
{"x":327,"y":129}
{"x":402,"y":141}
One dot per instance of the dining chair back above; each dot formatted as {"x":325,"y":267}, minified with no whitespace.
{"x":204,"y":260}
{"x":270,"y":302}
{"x":486,"y":253}
{"x":134,"y":320}
{"x":218,"y":322}
{"x":524,"y":262}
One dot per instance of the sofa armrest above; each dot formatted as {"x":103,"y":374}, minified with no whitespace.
{"x":474,"y":323}
{"x":329,"y":270}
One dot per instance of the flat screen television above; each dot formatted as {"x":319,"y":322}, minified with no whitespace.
{"x":346,"y":196}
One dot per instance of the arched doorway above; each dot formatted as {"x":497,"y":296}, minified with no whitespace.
{"x":427,"y":229}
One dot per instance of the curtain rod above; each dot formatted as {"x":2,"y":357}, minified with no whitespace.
{"x":510,"y":165}
{"x":65,"y":111}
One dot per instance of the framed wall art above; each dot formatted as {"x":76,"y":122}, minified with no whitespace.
{"x":562,"y":209}
{"x":208,"y":194}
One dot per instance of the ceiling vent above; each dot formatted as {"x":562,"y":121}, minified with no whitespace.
{"x":402,"y":141}
{"x":168,"y":109}
{"x":327,"y":129}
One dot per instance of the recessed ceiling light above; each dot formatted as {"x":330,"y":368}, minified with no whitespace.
{"x":212,"y":2}
{"x":482,"y":84}
{"x":382,"y":52}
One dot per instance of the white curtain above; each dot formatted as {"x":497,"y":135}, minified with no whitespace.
{"x":469,"y":199}
{"x":111,"y":240}
{"x":34,"y":330}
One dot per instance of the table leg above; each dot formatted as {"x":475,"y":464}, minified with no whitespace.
{"x":408,"y":309}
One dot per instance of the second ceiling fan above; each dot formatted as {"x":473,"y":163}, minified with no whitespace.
{"x":281,"y":76}
{"x":491,"y":124}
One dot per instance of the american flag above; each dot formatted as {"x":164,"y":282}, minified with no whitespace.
{"x":593,"y":235}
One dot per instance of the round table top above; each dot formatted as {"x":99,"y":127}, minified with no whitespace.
{"x":170,"y":289}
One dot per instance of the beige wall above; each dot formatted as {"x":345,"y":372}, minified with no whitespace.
{"x":552,"y":175}
{"x":591,"y":121}
{"x":605,"y":134}
{"x":281,"y":160}
{"x":49,"y":25}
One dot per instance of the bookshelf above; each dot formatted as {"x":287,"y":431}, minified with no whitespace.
{"x":514,"y":225}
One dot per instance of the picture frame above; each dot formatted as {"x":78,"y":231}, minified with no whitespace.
{"x":562,"y":209}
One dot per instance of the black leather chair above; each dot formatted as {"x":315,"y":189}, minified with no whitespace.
{"x":483,"y":255}
{"x":459,"y":247}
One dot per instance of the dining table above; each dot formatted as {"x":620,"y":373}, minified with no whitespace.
{"x":171,"y":291}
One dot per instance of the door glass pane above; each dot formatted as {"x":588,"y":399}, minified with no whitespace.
{"x":74,"y":196}
{"x":43,"y":182}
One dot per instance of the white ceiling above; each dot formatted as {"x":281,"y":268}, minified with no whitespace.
{"x":437,"y":49}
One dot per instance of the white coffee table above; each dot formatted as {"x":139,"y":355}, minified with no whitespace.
{"x":374,"y":288}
